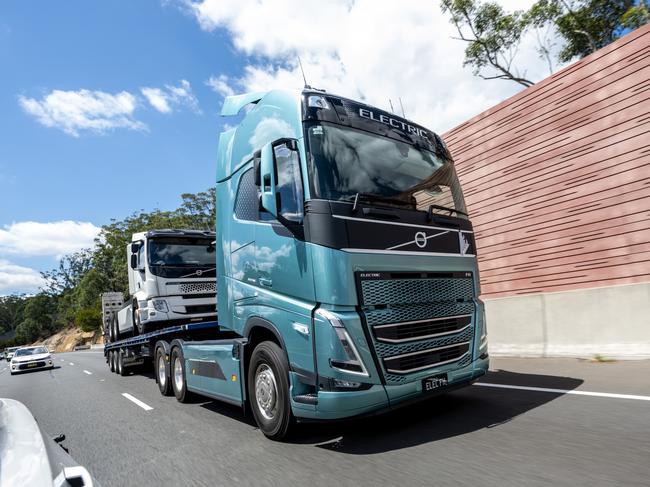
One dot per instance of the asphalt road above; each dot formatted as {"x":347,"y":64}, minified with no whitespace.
{"x":483,"y":436}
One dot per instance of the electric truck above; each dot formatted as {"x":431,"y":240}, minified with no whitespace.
{"x":172,"y":279}
{"x":347,"y":277}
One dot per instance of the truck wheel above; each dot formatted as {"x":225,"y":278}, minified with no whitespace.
{"x":116,"y":329}
{"x":120,"y":363}
{"x":111,"y":360}
{"x":268,"y":390}
{"x":179,"y":383}
{"x":162,"y":377}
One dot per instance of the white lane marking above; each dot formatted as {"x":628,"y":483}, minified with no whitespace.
{"x":566,"y":391}
{"x":88,"y":372}
{"x":101,"y":380}
{"x":71,"y":363}
{"x":144,"y":406}
{"x":62,"y":360}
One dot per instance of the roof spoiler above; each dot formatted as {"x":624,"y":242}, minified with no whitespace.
{"x":232,"y":104}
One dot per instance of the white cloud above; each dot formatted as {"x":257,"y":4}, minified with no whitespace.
{"x":51,"y":238}
{"x":365,"y":49}
{"x":163,"y":99}
{"x":16,"y":278}
{"x":157,"y":98}
{"x":221,"y":84}
{"x":84,"y":110}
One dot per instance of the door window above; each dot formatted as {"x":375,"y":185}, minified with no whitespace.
{"x":289,"y":183}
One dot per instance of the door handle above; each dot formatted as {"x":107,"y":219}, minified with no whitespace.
{"x":265,"y":281}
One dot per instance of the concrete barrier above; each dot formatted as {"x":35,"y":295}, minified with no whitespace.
{"x":611,"y":321}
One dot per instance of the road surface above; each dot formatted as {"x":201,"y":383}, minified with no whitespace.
{"x":127,"y":434}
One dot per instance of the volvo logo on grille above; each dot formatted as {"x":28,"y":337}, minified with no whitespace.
{"x":199,"y":272}
{"x":421,"y":239}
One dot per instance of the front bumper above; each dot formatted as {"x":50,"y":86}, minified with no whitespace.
{"x":382,"y":398}
{"x":16,"y":367}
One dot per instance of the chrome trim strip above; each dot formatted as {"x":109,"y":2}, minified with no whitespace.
{"x":419,"y":352}
{"x":424,"y":337}
{"x":422,"y":321}
{"x":430,"y":366}
{"x":404,"y":252}
{"x":382,"y":222}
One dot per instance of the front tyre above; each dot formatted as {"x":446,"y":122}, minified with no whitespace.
{"x":268,"y":390}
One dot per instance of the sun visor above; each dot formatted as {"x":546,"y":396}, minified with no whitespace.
{"x":233,"y":104}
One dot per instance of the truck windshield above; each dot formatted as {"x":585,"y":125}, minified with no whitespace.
{"x":344,"y":162}
{"x":181,"y":252}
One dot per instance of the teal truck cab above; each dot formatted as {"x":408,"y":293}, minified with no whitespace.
{"x":347,"y":281}
{"x":345,"y":258}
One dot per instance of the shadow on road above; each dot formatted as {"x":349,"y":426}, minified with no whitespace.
{"x":445,"y":416}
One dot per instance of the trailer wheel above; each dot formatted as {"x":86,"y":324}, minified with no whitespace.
{"x":115,"y":330}
{"x":162,"y":375}
{"x":178,"y":377}
{"x":268,"y":390}
{"x":111,"y":360}
{"x":120,"y":363}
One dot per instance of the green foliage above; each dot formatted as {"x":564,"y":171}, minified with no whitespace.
{"x":587,"y":26}
{"x":11,"y":311}
{"x":72,"y":294}
{"x":88,"y":319}
{"x":28,"y":331}
{"x":584,"y":26}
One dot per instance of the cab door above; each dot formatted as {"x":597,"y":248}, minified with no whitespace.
{"x":284,"y":272}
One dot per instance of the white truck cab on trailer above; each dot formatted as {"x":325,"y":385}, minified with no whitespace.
{"x":172,"y":279}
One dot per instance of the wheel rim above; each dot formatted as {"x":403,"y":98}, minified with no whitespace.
{"x":162,"y":373}
{"x":178,"y":375}
{"x":266,"y":391}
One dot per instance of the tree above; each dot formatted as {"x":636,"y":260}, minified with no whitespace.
{"x":583,"y":26}
{"x":12,"y":308}
{"x":88,"y":319}
{"x":28,"y":331}
{"x":71,"y":270}
{"x":493,"y":37}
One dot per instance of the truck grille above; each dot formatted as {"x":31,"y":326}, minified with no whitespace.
{"x":418,"y":322}
{"x":198,"y":287}
{"x":424,"y":359}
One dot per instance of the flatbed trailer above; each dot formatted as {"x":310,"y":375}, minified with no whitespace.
{"x":189,"y":358}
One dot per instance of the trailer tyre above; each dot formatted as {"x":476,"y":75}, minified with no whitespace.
{"x":162,"y":373}
{"x":111,"y":360}
{"x":120,"y":363}
{"x":268,"y":390}
{"x":178,"y":376}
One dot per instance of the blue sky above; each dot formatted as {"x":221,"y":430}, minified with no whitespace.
{"x":107,"y":107}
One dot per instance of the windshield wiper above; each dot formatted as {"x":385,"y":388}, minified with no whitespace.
{"x":443,"y":208}
{"x":376,"y":198}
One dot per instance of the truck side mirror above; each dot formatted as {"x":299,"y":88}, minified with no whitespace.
{"x":135,"y":246}
{"x":267,"y":180}
{"x":134,"y":261}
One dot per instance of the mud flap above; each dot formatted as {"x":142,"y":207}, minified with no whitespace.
{"x":215,"y":369}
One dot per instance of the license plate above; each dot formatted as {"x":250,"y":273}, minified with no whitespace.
{"x":32,"y":365}
{"x":435,"y":382}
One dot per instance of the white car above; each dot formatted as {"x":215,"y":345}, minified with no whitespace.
{"x":9,"y":352}
{"x":29,"y":458}
{"x":31,"y":358}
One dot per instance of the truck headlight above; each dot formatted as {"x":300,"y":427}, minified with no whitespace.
{"x":353,"y":363}
{"x":160,"y":305}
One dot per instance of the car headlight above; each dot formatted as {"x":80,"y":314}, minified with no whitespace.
{"x":160,"y":305}
{"x":353,"y":363}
